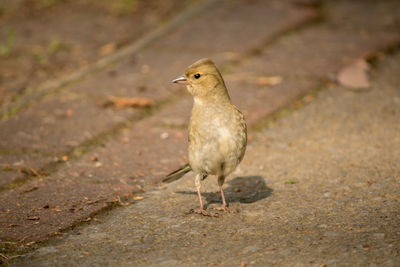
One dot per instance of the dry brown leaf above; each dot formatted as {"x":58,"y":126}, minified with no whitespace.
{"x":145,"y":69}
{"x":269,"y":80}
{"x":354,"y":75}
{"x":69,"y":112}
{"x":107,"y":49}
{"x":126,"y":102}
{"x":32,"y":172}
{"x":95,"y":157}
{"x":29,"y":190}
{"x":7,"y":167}
{"x":29,"y":171}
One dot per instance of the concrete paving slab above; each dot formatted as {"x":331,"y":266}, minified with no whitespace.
{"x":51,"y":125}
{"x":320,"y":187}
{"x":16,"y":167}
{"x":146,"y":76}
{"x":57,"y":38}
{"x":346,"y":34}
{"x":142,"y":155}
{"x":219,"y":30}
{"x":149,"y":149}
{"x":47,"y":207}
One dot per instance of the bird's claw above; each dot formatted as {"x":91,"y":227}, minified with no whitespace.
{"x":204,"y":212}
{"x":226,"y":209}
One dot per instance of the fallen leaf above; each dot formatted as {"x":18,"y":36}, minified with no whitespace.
{"x":69,"y":112}
{"x":18,"y":163}
{"x":83,"y":63}
{"x":308,"y":98}
{"x":125,"y":102}
{"x":7,"y":167}
{"x":29,"y":190}
{"x":32,"y":172}
{"x":164,"y":135}
{"x":137,"y":198}
{"x":145,"y":69}
{"x":29,"y":171}
{"x":354,"y":75}
{"x":269,"y":80}
{"x":33,"y":218}
{"x":107,"y":49}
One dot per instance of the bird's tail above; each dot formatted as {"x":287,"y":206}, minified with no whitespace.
{"x":175,"y":175}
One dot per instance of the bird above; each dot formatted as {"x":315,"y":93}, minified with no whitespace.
{"x":217,"y":130}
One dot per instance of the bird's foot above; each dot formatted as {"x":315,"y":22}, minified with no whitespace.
{"x":204,"y":212}
{"x":226,"y":209}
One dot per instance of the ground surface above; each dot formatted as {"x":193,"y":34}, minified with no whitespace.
{"x":341,"y":152}
{"x":319,"y":184}
{"x":50,"y":38}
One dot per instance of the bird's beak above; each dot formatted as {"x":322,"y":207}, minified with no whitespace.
{"x":181,"y":79}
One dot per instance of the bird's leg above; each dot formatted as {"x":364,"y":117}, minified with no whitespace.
{"x":202,"y":210}
{"x":221,"y":180}
{"x":224,"y":205}
{"x":198,"y":186}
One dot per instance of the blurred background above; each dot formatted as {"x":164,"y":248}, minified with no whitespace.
{"x":43,"y":39}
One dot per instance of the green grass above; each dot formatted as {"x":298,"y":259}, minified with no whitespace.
{"x":48,"y":3}
{"x":7,"y":45}
{"x":124,"y":6}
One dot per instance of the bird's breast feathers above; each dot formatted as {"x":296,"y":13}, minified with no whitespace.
{"x":217,"y":141}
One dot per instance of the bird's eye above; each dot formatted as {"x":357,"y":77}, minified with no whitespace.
{"x":197,"y":75}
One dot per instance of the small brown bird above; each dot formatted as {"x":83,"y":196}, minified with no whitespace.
{"x":217,"y":129}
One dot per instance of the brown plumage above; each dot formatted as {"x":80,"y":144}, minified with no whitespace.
{"x":217,"y":129}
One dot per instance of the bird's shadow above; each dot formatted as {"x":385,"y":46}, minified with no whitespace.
{"x":246,"y":189}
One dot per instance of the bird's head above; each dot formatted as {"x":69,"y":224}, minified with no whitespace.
{"x":203,"y":79}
